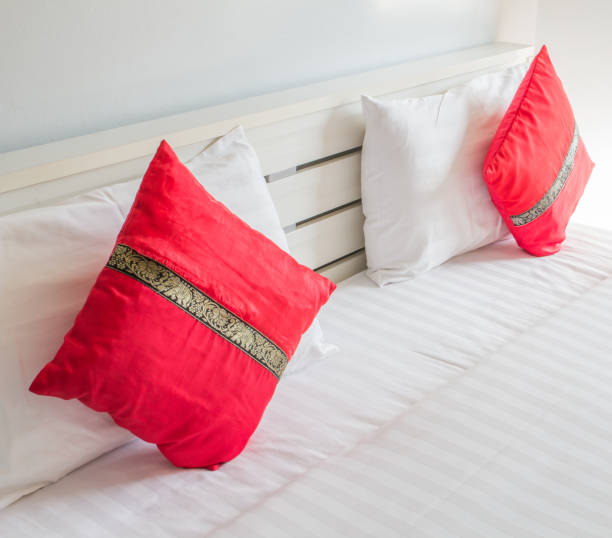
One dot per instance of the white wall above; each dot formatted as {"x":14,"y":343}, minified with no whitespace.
{"x":71,"y":67}
{"x":579,"y":38}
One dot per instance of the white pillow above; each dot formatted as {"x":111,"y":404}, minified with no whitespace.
{"x":423,"y":195}
{"x":49,"y":259}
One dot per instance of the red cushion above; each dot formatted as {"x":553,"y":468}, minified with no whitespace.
{"x":537,"y":166}
{"x":188,"y":327}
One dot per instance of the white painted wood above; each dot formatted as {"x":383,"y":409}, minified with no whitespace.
{"x":73,"y":156}
{"x":317,"y":189}
{"x":308,"y":137}
{"x":328,"y":238}
{"x":346,"y":267}
{"x":51,"y":191}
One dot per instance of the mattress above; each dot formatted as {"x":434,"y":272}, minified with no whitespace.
{"x":471,"y":401}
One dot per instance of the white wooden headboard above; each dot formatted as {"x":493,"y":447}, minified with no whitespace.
{"x":308,"y":140}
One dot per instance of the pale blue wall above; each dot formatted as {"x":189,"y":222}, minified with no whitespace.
{"x":71,"y":67}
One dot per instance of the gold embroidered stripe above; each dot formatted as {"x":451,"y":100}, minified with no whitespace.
{"x":556,"y":187}
{"x":197,"y":304}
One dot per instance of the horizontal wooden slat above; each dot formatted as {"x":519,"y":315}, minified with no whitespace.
{"x":344,"y":268}
{"x":317,"y":189}
{"x":285,"y":127}
{"x":50,"y":191}
{"x":328,"y":238}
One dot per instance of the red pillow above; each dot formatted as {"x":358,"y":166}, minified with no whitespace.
{"x":190,"y":324}
{"x":537,"y":166}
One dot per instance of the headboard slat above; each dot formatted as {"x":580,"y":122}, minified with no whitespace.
{"x":324,"y":240}
{"x":317,"y":189}
{"x":345,"y":267}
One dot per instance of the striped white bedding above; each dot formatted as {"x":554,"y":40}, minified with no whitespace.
{"x":472,"y":401}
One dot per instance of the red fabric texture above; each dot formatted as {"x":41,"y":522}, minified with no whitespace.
{"x":158,"y":371}
{"x":527,"y":154}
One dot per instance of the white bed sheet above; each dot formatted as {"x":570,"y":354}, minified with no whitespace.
{"x":470,"y":401}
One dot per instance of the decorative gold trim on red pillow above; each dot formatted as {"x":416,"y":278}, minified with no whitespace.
{"x":200,"y":306}
{"x":556,"y":187}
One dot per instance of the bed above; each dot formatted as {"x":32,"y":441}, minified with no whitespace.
{"x":471,"y":401}
{"x":488,"y":417}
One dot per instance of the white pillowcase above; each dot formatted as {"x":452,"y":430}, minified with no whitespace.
{"x":49,"y":259}
{"x":423,"y":195}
